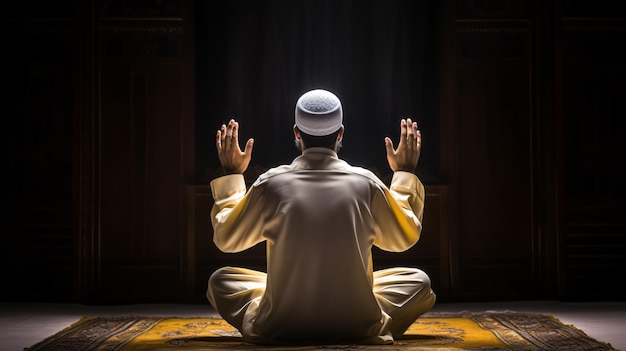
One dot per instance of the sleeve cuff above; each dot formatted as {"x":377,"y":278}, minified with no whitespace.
{"x":407,"y":180}
{"x":227,"y":185}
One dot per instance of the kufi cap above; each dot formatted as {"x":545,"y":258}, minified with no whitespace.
{"x":318,"y":113}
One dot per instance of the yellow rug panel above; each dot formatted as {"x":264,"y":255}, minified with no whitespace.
{"x":463,"y":333}
{"x":175,"y":333}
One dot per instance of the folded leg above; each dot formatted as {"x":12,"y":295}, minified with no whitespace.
{"x":404,"y":294}
{"x":231,"y":291}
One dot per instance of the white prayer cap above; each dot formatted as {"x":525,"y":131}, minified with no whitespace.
{"x":318,"y":112}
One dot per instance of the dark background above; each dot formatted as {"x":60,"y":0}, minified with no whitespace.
{"x":111,"y":107}
{"x":255,"y":59}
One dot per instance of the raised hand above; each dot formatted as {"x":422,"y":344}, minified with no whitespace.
{"x":407,"y":155}
{"x":232,"y":159}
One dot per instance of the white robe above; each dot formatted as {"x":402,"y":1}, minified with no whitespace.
{"x":320,"y":218}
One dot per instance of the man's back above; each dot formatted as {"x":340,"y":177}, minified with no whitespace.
{"x":320,"y":231}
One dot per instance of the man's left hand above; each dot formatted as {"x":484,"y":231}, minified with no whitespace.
{"x":407,"y":155}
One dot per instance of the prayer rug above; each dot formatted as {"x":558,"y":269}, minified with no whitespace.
{"x":433,"y":331}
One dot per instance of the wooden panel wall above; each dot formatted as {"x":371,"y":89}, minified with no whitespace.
{"x":99,"y":143}
{"x":144,"y":120}
{"x":592,"y":110}
{"x":487,"y":128}
{"x":532,"y":137}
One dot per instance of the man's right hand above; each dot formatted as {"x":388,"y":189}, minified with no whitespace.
{"x":227,"y":141}
{"x":407,"y":155}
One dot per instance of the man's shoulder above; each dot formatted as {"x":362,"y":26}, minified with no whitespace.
{"x":274,"y":171}
{"x":364,"y":172}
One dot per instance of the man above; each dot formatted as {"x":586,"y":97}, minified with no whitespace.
{"x":320,"y":218}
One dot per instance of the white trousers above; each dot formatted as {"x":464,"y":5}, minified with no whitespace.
{"x":403,"y":294}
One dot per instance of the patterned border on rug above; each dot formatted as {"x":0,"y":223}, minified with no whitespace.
{"x":543,"y":331}
{"x":512,"y":330}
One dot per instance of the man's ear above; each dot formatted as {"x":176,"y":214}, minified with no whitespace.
{"x":296,"y":132}
{"x":340,"y":134}
{"x":297,"y":138}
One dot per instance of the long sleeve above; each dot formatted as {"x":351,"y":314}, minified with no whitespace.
{"x":401,"y":221}
{"x":235,"y":224}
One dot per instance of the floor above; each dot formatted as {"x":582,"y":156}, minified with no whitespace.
{"x":22,"y":325}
